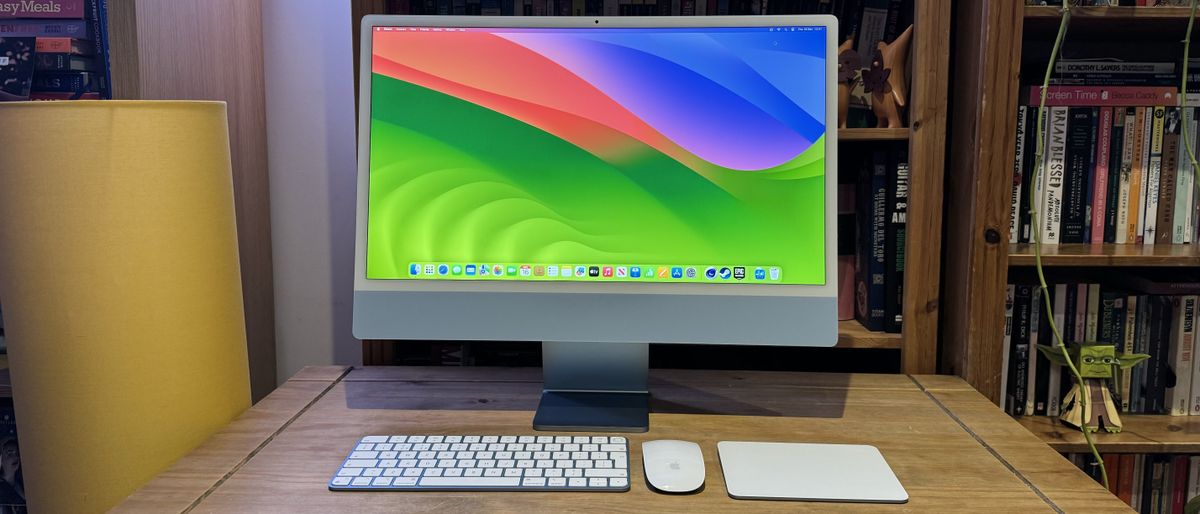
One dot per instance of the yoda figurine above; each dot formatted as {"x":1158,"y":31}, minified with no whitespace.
{"x":1092,"y":407}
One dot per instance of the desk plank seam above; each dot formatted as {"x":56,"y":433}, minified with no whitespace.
{"x":987,"y":446}
{"x":237,"y":467}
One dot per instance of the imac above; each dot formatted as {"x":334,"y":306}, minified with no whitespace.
{"x":597,"y":184}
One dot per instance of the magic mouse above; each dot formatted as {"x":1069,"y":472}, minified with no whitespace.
{"x":673,"y":466}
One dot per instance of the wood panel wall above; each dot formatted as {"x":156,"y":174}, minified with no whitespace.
{"x":212,"y":50}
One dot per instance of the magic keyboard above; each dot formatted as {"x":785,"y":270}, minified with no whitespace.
{"x":485,"y":463}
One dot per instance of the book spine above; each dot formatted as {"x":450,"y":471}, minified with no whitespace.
{"x":1031,"y":371}
{"x":895,"y":242}
{"x":1139,"y":480}
{"x":1140,"y":345}
{"x":872,"y":251}
{"x":1091,"y":322}
{"x":1028,"y":164}
{"x":1117,"y":146}
{"x":1104,"y":96}
{"x":59,"y":9}
{"x":1074,"y":203}
{"x":1164,"y":228}
{"x":1141,"y":147}
{"x":1050,"y":211}
{"x":1019,"y":356}
{"x":1148,"y":215}
{"x":1113,"y":467}
{"x":1010,"y":293}
{"x":63,"y":45}
{"x":872,"y":26}
{"x":1040,"y":367}
{"x":1159,"y":351}
{"x":1099,"y":203}
{"x":1128,"y":344}
{"x":67,"y":82}
{"x":1183,"y":177}
{"x":98,"y":19}
{"x":1018,"y":175}
{"x":1178,"y":394}
{"x":1125,"y":476}
{"x":1089,"y":174}
{"x":45,"y":28}
{"x":1193,"y":484}
{"x":1179,"y":469}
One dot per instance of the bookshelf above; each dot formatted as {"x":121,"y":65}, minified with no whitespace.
{"x":979,"y":257}
{"x":926,"y":139}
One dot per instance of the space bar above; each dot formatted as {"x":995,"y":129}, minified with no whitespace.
{"x":470,"y":481}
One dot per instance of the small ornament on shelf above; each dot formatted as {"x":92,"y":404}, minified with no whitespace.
{"x":1092,"y":407}
{"x":887,"y":82}
{"x":849,"y":64}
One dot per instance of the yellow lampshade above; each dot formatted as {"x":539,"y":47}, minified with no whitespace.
{"x":120,"y":286}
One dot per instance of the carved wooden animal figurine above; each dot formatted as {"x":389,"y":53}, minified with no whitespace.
{"x":1096,"y":364}
{"x":889,"y":96}
{"x":848,"y":67}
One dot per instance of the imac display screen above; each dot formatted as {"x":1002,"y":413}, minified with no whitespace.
{"x":598,"y":154}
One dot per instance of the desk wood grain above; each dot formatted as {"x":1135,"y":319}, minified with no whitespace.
{"x":941,"y":462}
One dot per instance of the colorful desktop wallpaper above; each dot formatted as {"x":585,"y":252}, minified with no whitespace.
{"x":696,"y":147}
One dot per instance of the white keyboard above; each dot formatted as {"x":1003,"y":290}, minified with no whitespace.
{"x":485,"y":463}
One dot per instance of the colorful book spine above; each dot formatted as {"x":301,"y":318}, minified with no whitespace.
{"x":1164,"y":227}
{"x":1018,"y":176}
{"x":46,"y":28}
{"x":1148,"y":215}
{"x":872,"y":252}
{"x":896,"y":235}
{"x":1141,"y":154}
{"x":1104,"y":96}
{"x":1076,"y":170}
{"x":1115,"y":172}
{"x":1100,"y":172}
{"x":1128,"y":345}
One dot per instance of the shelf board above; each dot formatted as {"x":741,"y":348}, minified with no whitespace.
{"x":1141,"y":433}
{"x":851,"y":334}
{"x":1163,"y":23}
{"x":1082,"y":255}
{"x":873,"y":134}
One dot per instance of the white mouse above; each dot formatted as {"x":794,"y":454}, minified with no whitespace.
{"x":673,"y":466}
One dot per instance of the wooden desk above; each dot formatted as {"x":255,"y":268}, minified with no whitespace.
{"x":950,"y":447}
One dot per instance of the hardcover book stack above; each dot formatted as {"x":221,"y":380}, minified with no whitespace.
{"x":1115,"y":167}
{"x":1150,"y":483}
{"x":882,"y":196}
{"x":1149,"y":314}
{"x":53,"y":50}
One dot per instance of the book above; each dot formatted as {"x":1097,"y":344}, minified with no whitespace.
{"x":46,"y":28}
{"x":16,"y":67}
{"x":1158,"y":347}
{"x":897,"y":214}
{"x":65,"y":82}
{"x":1010,"y":292}
{"x":1018,"y":176}
{"x":1125,"y":476}
{"x":63,"y":62}
{"x":1091,"y":321}
{"x":1108,"y":72}
{"x":1019,"y":355}
{"x":1075,"y":171}
{"x":61,"y":9}
{"x":1031,"y":372}
{"x":12,"y":495}
{"x":1148,"y":214}
{"x":1165,"y":215}
{"x":1133,"y":124}
{"x":1025,"y":228}
{"x":1116,"y":170}
{"x":38,"y":95}
{"x":1181,"y":346}
{"x":1159,"y":281}
{"x":1141,"y":155}
{"x":1100,"y":190}
{"x":1193,"y":484}
{"x":1183,"y":179}
{"x":1101,"y":96}
{"x":1050,"y":207}
{"x":1053,"y":371}
{"x":64,"y":45}
{"x":871,"y":268}
{"x":1129,"y":333}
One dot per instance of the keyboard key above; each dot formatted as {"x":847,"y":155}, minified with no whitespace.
{"x":525,"y":439}
{"x":372,"y":472}
{"x":349,"y":472}
{"x":427,"y":455}
{"x":512,"y":472}
{"x":612,"y":447}
{"x":454,"y":439}
{"x":404,"y":481}
{"x":393,"y":472}
{"x":382,"y":481}
{"x":397,"y":439}
{"x":597,"y":482}
{"x":440,"y":447}
{"x":579,"y":455}
{"x":476,"y":447}
{"x":340,"y":481}
{"x":494,"y":472}
{"x":507,"y":463}
{"x":433,"y":472}
{"x":541,"y":455}
{"x":427,"y":463}
{"x":600,"y":439}
{"x":389,"y":455}
{"x":562,"y":439}
{"x":487,"y":464}
{"x":523,"y":455}
{"x":616,"y":440}
{"x":375,"y":439}
{"x":402,"y":447}
{"x":412,"y":472}
{"x":475,"y":472}
{"x":470,"y":481}
{"x":390,"y":463}
{"x":533,"y":482}
{"x":618,"y":482}
{"x":552,"y":447}
{"x":604,"y":463}
{"x":464,"y":455}
{"x":556,"y":482}
{"x":620,"y":459}
{"x":407,"y":455}
{"x":364,"y":447}
{"x":466,"y":463}
{"x":583,"y":463}
{"x":360,"y":463}
{"x":445,"y":455}
{"x":577,"y":482}
{"x":503,"y":455}
{"x":524,"y":464}
{"x":570,"y":447}
{"x":497,"y":447}
{"x":573,"y":472}
{"x":590,"y":447}
{"x":383,"y":447}
{"x":361,"y":481}
{"x":514,"y":447}
{"x":554,"y":472}
{"x":564,"y":464}
{"x":454,"y":472}
{"x":508,"y":439}
{"x":544,"y":463}
{"x":364,"y":455}
{"x":434,"y":439}
{"x":533,"y":472}
{"x":590,"y":473}
{"x":471,"y":439}
{"x":447,"y":463}
{"x":581,"y":439}
{"x":598,"y":456}
{"x":416,"y":439}
{"x":407,"y":463}
{"x":545,"y":439}
{"x":422,"y":447}
{"x":533,"y":447}
{"x":459,"y":447}
{"x":486,"y":455}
